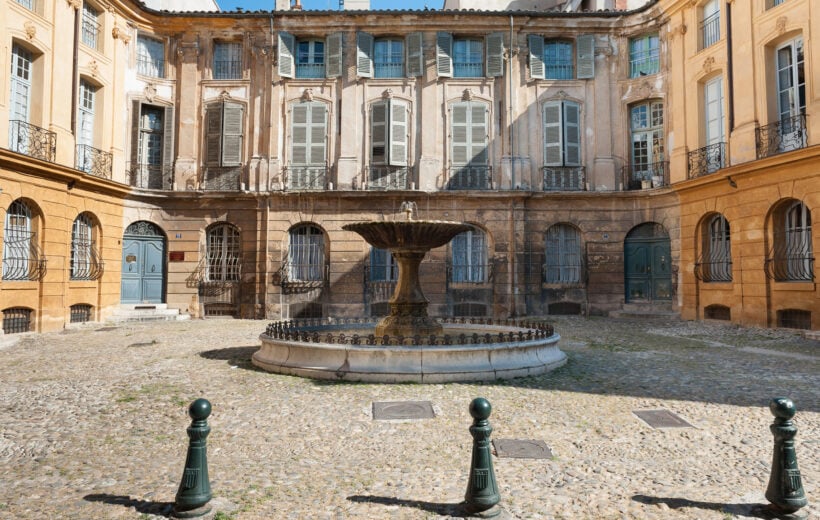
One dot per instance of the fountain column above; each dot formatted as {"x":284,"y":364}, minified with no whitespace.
{"x":408,"y":305}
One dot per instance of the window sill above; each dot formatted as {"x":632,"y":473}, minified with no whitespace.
{"x":717,"y":286}
{"x":794,"y":286}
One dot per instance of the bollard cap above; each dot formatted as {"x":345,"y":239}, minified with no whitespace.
{"x":480,"y":408}
{"x":200,"y":409}
{"x":782,"y":408}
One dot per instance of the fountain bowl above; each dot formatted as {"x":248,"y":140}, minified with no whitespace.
{"x":469,"y":350}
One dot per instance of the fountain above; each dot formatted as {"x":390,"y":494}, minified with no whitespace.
{"x":408,"y":345}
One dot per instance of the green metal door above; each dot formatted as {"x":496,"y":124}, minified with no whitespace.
{"x":648,"y":266}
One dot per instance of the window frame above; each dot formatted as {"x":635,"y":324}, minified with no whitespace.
{"x":796,"y":90}
{"x":18,"y":239}
{"x":148,"y":62}
{"x":559,"y":61}
{"x":469,"y":257}
{"x":82,"y":248}
{"x":709,"y":24}
{"x":383,"y":266}
{"x":313,"y":270}
{"x":656,"y":146}
{"x":91,"y":26}
{"x":223,"y":253}
{"x":563,"y":255}
{"x":564,"y":132}
{"x":395,"y":69}
{"x":229,"y":66}
{"x":644,"y":62}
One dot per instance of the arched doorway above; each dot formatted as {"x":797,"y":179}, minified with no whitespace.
{"x":648,"y":264}
{"x":143,"y":264}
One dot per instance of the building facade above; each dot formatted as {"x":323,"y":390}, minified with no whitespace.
{"x":217,"y":156}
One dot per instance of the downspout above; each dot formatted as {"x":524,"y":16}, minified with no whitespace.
{"x":511,"y":126}
{"x":730,"y":76}
{"x":75,"y":72}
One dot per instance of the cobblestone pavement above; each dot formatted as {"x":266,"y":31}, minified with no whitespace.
{"x":92,"y":425}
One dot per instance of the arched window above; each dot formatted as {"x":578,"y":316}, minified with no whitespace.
{"x":563,"y":255}
{"x":222,"y":250}
{"x":715,"y":264}
{"x":306,"y":254}
{"x":18,"y":239}
{"x":792,"y":256}
{"x":85,"y":264}
{"x":469,"y":257}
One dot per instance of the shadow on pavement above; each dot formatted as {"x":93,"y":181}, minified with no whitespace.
{"x":441,"y":509}
{"x":235,"y":356}
{"x":147,"y":507}
{"x":746,"y":510}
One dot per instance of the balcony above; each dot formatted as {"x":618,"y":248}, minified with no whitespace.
{"x":32,"y":140}
{"x":783,"y":136}
{"x":470,"y":177}
{"x":149,"y":176}
{"x":389,"y":177}
{"x":468,"y":69}
{"x":93,"y":161}
{"x":222,"y":179}
{"x":644,"y":176}
{"x":306,"y":177}
{"x":563,"y":178}
{"x":710,"y":30}
{"x":310,"y":70}
{"x":388,"y":70}
{"x":706,"y":160}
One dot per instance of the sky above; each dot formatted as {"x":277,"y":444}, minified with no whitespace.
{"x":267,"y":5}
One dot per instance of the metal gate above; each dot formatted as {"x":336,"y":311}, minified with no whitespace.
{"x":143,"y":264}
{"x":648,"y":264}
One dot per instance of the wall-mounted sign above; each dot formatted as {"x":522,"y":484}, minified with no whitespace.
{"x":176,"y":256}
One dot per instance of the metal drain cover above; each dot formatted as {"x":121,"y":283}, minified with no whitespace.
{"x":522,"y":449}
{"x":391,"y":410}
{"x":661,"y":419}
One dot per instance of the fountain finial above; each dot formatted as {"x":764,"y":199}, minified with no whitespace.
{"x":409,"y":207}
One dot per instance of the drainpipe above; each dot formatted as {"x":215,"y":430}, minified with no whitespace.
{"x":730,"y":77}
{"x":510,"y":111}
{"x":75,"y":72}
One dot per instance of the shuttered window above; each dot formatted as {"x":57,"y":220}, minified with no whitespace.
{"x":469,"y":260}
{"x":225,"y":123}
{"x":388,"y":133}
{"x":309,"y":58}
{"x":555,"y":59}
{"x":563,"y":255}
{"x":562,"y":133}
{"x":468,"y":58}
{"x":469,"y":133}
{"x":388,"y":58}
{"x":308,"y":135}
{"x":415,"y":54}
{"x":152,"y":145}
{"x":558,"y":60}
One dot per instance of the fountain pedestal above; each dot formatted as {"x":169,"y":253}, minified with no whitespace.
{"x":408,"y":306}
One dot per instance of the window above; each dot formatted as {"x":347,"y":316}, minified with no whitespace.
{"x":18,"y":240}
{"x":464,"y":57}
{"x":644,"y":56}
{"x":90,"y":26}
{"x":563,"y":255}
{"x":774,"y":3}
{"x":469,"y":260}
{"x":647,"y":138}
{"x":388,"y":58}
{"x":383,"y":266}
{"x":791,"y":81}
{"x":80,"y":313}
{"x":28,"y":4}
{"x":713,"y":106}
{"x":791,"y":258}
{"x":310,"y":57}
{"x":83,"y":257}
{"x":562,"y":136}
{"x":21,"y":72}
{"x":558,"y":60}
{"x":385,"y":57}
{"x":150,"y":57}
{"x":308,"y":146}
{"x":222,"y":250}
{"x":85,"y":126}
{"x":306,"y":254}
{"x":152,"y":145}
{"x":388,"y":133}
{"x":223,"y":144}
{"x":227,"y":60}
{"x":16,"y":320}
{"x":715,"y":264}
{"x":710,"y":24}
{"x":469,"y":127}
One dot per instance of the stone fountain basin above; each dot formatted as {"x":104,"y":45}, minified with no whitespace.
{"x":409,"y":363}
{"x":410,"y":235}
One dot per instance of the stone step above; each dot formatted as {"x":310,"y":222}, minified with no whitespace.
{"x":645,"y":315}
{"x":146,"y":312}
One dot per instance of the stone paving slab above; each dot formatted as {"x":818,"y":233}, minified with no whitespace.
{"x":91,"y":428}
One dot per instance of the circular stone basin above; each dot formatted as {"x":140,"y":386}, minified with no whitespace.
{"x":467,"y":351}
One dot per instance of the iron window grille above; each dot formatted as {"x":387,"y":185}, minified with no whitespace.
{"x":16,"y":320}
{"x":710,"y":30}
{"x":470,"y":177}
{"x":791,"y":259}
{"x":706,"y":160}
{"x":794,"y":319}
{"x":22,"y":258}
{"x":306,"y":257}
{"x":86,"y":263}
{"x":223,"y":254}
{"x":717,"y":312}
{"x":306,"y":177}
{"x":32,"y":140}
{"x":80,"y":313}
{"x":149,"y":176}
{"x":715,"y":262}
{"x":642,"y":176}
{"x":389,"y":177}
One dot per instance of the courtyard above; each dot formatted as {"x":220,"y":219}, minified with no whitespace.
{"x":92,"y":426}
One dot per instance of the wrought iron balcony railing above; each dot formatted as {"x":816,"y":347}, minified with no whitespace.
{"x":783,"y":136}
{"x":386,"y":69}
{"x":710,"y":30}
{"x":467,"y":69}
{"x":22,"y":257}
{"x":300,"y":278}
{"x":643,"y":176}
{"x":389,"y":177}
{"x":470,"y":177}
{"x":713,"y":270}
{"x":790,"y":263}
{"x":563,"y":178}
{"x":149,"y":176}
{"x":306,"y":177}
{"x":32,"y":140}
{"x":86,"y":263}
{"x":706,"y":160}
{"x":222,"y":179}
{"x":310,"y":70}
{"x":377,"y":290}
{"x":93,"y":161}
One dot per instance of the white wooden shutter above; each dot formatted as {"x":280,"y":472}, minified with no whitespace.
{"x":285,"y":50}
{"x":478,"y":133}
{"x":398,"y":133}
{"x":713,"y":104}
{"x":364,"y":55}
{"x":213,"y":138}
{"x":572,"y":134}
{"x":414,"y":43}
{"x":459,"y":133}
{"x":495,"y":54}
{"x":552,"y":134}
{"x":585,"y":56}
{"x":168,"y":156}
{"x":333,"y":55}
{"x":536,"y":45}
{"x":299,"y":133}
{"x":232,"y":134}
{"x":318,"y":133}
{"x":444,"y":54}
{"x":378,"y":133}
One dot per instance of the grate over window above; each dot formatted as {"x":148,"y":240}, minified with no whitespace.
{"x":717,"y":312}
{"x":564,"y":308}
{"x":305,"y":311}
{"x":470,"y":309}
{"x":794,"y":319}
{"x":80,"y":313}
{"x":16,"y":320}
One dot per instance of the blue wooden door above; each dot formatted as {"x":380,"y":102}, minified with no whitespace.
{"x":143,"y":269}
{"x":648,"y":272}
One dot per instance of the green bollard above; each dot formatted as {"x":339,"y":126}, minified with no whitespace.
{"x":482,"y":495}
{"x":785,"y":491}
{"x":195,"y":489}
